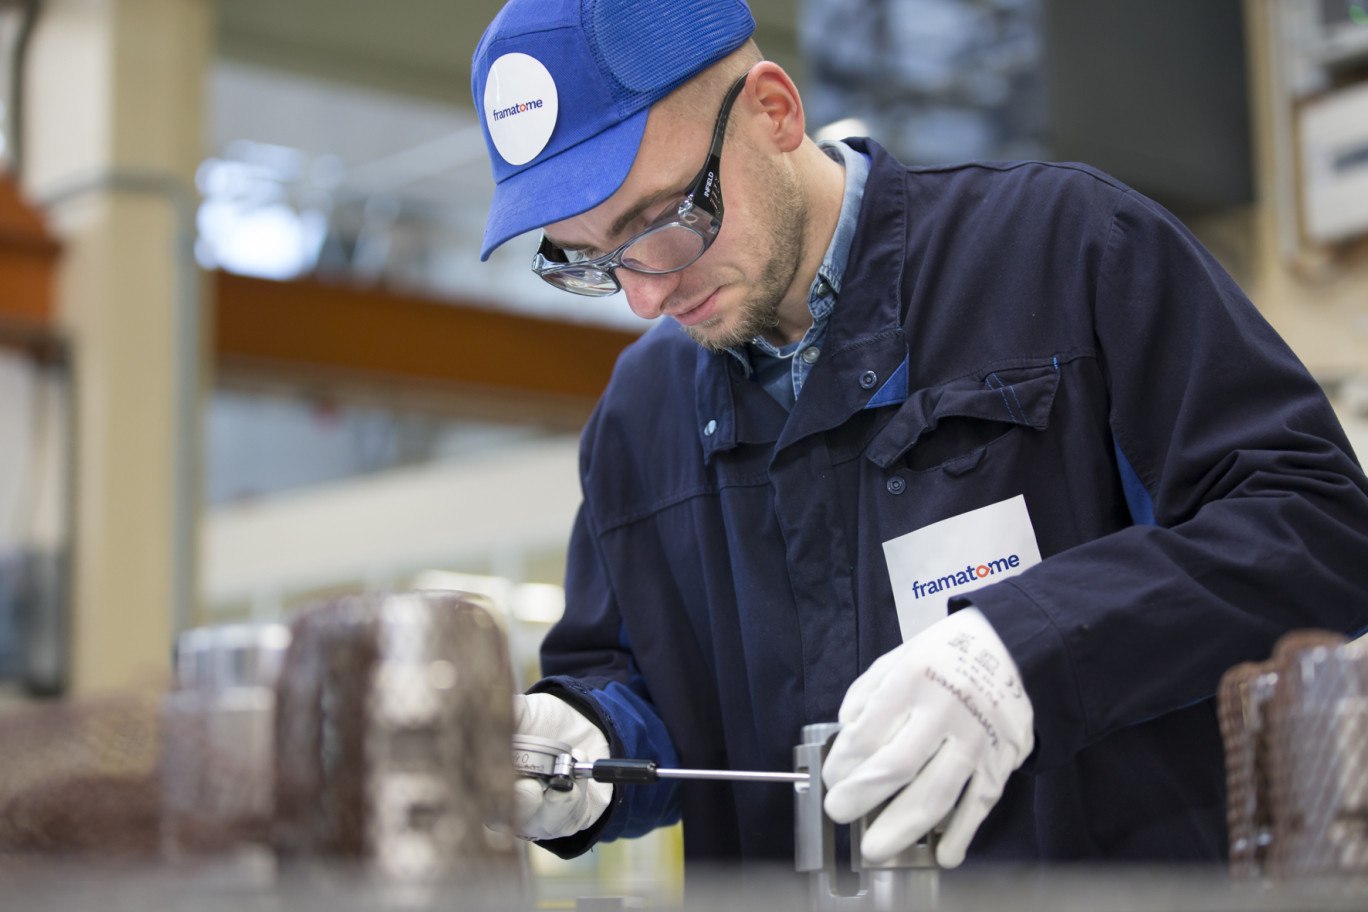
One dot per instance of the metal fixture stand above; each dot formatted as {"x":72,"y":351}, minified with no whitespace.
{"x":907,"y":881}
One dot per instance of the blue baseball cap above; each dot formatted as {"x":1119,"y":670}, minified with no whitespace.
{"x":564,"y":87}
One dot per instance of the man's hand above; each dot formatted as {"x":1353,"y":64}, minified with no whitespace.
{"x":943,"y":713}
{"x":544,"y":813}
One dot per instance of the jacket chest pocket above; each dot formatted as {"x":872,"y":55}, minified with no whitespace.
{"x":951,"y":426}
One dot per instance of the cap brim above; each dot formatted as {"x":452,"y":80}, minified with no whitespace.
{"x":564,"y":185}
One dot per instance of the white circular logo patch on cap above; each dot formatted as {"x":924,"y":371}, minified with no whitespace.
{"x":520,"y":107}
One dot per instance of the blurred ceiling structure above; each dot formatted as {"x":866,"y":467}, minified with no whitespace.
{"x":412,"y":47}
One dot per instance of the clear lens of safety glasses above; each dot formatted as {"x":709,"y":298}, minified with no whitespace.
{"x":666,"y":249}
{"x":584,"y":280}
{"x":586,"y":277}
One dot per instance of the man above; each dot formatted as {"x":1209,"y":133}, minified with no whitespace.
{"x":992,"y":463}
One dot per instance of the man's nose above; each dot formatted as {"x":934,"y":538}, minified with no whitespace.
{"x":647,"y":293}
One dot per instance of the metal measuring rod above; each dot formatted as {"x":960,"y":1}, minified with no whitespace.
{"x":553,"y":762}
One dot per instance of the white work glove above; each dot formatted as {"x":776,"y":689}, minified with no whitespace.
{"x":541,"y":812}
{"x":944,"y":709}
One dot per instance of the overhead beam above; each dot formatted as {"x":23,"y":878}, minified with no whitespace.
{"x":364,"y":343}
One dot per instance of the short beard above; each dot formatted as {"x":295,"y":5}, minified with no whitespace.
{"x":785,"y":212}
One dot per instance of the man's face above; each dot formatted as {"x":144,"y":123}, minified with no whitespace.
{"x":736,"y":290}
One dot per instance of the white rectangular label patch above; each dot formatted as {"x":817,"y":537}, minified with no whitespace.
{"x":955,"y":556}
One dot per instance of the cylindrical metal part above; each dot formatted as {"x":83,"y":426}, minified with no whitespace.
{"x":1294,"y":729}
{"x":218,"y":744}
{"x":902,"y":889}
{"x":394,"y":724}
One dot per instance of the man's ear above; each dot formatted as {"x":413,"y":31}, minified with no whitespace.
{"x":772,"y":93}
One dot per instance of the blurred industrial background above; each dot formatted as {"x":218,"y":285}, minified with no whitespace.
{"x":249,"y":357}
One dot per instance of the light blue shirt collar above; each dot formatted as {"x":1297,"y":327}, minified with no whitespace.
{"x":783,"y":371}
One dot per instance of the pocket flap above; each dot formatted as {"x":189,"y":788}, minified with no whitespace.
{"x":1020,"y":396}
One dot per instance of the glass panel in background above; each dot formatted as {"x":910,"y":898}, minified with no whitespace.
{"x":934,"y":81}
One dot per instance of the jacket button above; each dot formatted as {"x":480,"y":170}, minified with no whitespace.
{"x":868,"y":379}
{"x":710,"y":428}
{"x":896,"y":485}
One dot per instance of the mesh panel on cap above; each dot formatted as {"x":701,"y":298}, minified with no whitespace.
{"x":651,"y":48}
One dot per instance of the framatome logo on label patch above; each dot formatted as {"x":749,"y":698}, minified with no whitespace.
{"x":970,"y":574}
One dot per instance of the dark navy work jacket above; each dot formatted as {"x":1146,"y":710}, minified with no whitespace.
{"x":1018,"y":329}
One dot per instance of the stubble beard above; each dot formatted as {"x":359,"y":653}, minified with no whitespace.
{"x":785,"y":213}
